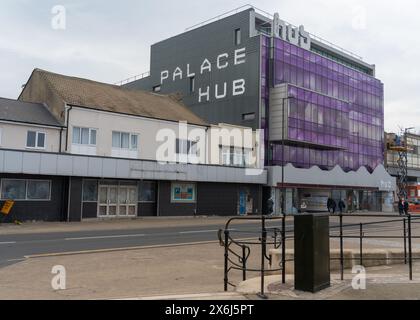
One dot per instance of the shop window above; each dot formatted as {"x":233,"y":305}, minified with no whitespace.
{"x":90,"y":190}
{"x":15,"y":189}
{"x":147,"y":191}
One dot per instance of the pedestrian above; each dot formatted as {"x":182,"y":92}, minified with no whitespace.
{"x":406,"y":207}
{"x":329,"y":204}
{"x":333,"y":206}
{"x":400,"y":207}
{"x":341,"y":206}
{"x":270,"y":206}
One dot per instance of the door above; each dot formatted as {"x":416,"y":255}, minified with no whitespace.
{"x":127,"y":201}
{"x":117,"y":201}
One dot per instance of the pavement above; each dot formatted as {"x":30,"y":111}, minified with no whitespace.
{"x":187,"y":264}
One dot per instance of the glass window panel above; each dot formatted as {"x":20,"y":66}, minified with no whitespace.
{"x":76,"y":135}
{"x":13,"y":189}
{"x":85,"y":136}
{"x":93,"y":137}
{"x":116,"y":140}
{"x":41,"y":140}
{"x":134,"y":142}
{"x":39,"y":190}
{"x":147,"y":191}
{"x":90,"y":190}
{"x":125,"y":140}
{"x":31,"y":139}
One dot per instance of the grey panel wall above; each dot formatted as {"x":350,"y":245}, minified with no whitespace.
{"x":81,"y":166}
{"x":208,"y":42}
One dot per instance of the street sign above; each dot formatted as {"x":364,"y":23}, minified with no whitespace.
{"x":7,"y":207}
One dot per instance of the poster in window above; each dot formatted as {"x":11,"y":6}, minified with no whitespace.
{"x":183,"y":192}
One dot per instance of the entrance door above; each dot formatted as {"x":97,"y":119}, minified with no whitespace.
{"x":127,"y":201}
{"x":117,"y":201}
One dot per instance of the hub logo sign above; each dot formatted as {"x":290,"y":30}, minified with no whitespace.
{"x":219,"y":90}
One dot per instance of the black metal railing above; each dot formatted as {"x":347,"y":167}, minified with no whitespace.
{"x":237,"y":250}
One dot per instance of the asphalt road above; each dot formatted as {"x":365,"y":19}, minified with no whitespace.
{"x":14,"y":248}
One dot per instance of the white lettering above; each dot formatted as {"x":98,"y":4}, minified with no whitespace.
{"x":217,"y":94}
{"x":204,"y":94}
{"x":293,"y":35}
{"x":189,"y":74}
{"x":359,"y":280}
{"x":163,"y":76}
{"x":226,"y":64}
{"x":206,"y":65}
{"x":238,"y":87}
{"x":177,"y":73}
{"x":240,"y":56}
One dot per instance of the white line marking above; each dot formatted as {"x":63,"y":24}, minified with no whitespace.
{"x":15,"y":260}
{"x":11,"y":242}
{"x":106,"y":237}
{"x":200,"y":231}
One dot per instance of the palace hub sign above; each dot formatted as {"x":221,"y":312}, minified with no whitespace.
{"x":220,"y":62}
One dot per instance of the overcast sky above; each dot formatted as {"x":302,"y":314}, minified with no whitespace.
{"x":110,"y":40}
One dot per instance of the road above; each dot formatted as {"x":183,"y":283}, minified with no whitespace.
{"x":16,"y":247}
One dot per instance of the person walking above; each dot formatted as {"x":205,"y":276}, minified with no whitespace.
{"x":329,"y":204}
{"x":341,"y":206}
{"x":333,"y":206}
{"x":406,"y":206}
{"x":400,"y":207}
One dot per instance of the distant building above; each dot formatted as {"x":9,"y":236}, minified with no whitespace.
{"x":321,"y":107}
{"x":74,"y":149}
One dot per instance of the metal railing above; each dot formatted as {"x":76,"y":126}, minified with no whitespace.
{"x":133,"y":78}
{"x":238,"y":251}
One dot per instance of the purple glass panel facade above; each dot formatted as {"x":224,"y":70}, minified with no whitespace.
{"x":332,"y":106}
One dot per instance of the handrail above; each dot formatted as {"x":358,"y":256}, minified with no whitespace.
{"x":133,"y":78}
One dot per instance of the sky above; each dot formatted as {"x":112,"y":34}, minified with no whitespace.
{"x":109,"y":41}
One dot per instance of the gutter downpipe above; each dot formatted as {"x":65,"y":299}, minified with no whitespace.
{"x":67,"y":126}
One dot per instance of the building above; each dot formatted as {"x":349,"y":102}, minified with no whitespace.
{"x":321,"y":107}
{"x":74,"y":149}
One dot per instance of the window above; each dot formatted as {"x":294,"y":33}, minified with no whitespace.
{"x":186,"y":146}
{"x":13,"y":189}
{"x":35,"y":190}
{"x":192,"y":84}
{"x":248,"y":116}
{"x":35,"y":139}
{"x":237,"y":37}
{"x":124,"y":140}
{"x":38,"y":190}
{"x":90,"y":190}
{"x":157,"y":88}
{"x":85,"y":136}
{"x":147,"y":191}
{"x":183,"y":192}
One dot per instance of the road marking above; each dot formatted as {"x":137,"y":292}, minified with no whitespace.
{"x":198,"y":231}
{"x":71,"y":253}
{"x":106,"y":237}
{"x":16,"y":260}
{"x":11,"y":242}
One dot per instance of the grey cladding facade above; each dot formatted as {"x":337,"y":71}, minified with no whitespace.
{"x":188,"y":52}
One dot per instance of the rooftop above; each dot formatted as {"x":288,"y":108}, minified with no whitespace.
{"x":26,"y":112}
{"x":102,"y":96}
